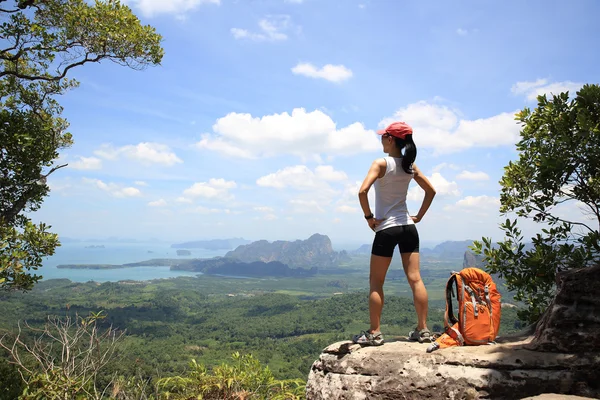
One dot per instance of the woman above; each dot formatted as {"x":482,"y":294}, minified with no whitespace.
{"x":394,"y":227}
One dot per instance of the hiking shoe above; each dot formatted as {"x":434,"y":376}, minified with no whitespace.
{"x":366,"y":338}
{"x":421,"y":336}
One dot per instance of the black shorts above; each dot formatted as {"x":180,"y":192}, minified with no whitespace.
{"x":405,"y":237}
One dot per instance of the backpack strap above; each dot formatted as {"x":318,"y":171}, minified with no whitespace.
{"x":473,"y":299}
{"x":449,"y":317}
{"x":486,"y":289}
{"x":456,"y":335}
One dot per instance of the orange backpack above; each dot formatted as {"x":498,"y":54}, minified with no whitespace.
{"x":479,"y":310}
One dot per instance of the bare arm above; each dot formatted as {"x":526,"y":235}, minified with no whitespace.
{"x":424,"y":183}
{"x":376,"y":171}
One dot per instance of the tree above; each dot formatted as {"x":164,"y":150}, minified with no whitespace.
{"x":65,"y":357}
{"x":559,"y":163}
{"x":40,"y":42}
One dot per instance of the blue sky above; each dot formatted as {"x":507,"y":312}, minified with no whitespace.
{"x":260,"y":121}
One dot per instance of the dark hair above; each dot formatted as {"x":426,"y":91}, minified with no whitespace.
{"x":410,"y":152}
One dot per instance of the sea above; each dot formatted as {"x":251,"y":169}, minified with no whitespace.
{"x":98,"y":252}
{"x":116,"y":253}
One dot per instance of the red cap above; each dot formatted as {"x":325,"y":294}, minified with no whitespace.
{"x":397,"y":129}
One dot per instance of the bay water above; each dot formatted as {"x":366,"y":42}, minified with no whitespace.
{"x":117,"y":253}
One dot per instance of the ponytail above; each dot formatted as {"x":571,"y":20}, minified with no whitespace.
{"x":410,"y":152}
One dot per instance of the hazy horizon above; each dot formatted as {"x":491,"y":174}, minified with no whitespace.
{"x":338,"y":245}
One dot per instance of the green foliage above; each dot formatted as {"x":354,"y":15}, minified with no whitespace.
{"x":11,"y":384}
{"x":169,"y":322}
{"x":41,"y":41}
{"x":244,"y":379}
{"x":559,"y":162}
{"x":22,"y":250}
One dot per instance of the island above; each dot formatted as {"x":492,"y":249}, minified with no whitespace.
{"x":299,"y":258}
{"x":90,"y":266}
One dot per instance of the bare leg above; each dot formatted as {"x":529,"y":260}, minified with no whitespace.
{"x":410,"y":263}
{"x":379,"y":267}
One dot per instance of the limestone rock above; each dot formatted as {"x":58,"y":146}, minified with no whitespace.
{"x":572,"y":321}
{"x":554,"y":396}
{"x":316,"y":251}
{"x":403,"y":370}
{"x":561,"y":358}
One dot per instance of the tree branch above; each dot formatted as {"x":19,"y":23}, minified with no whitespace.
{"x":555,"y":218}
{"x":55,"y":78}
{"x":14,"y":47}
{"x":54,"y":169}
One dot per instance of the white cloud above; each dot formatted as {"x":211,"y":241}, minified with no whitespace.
{"x":478,"y":202}
{"x":347,"y":209}
{"x":158,"y":203}
{"x":541,"y":86}
{"x":327,"y":173}
{"x":206,"y":210}
{"x":130,"y":192}
{"x":442,"y":186}
{"x":332,"y":73}
{"x":301,"y":177}
{"x":301,"y":133}
{"x":306,"y":206}
{"x":140,"y":183}
{"x":272,"y":29}
{"x":151,"y":8}
{"x":86,"y":163}
{"x":479,"y":205}
{"x":268,"y":213}
{"x":347,"y":202}
{"x":145,"y":153}
{"x":263,"y":209}
{"x":440,"y":128}
{"x":222,"y":146}
{"x":184,"y":200}
{"x":113,"y":189}
{"x":444,"y":165}
{"x":473,"y":176}
{"x":462,"y":32}
{"x":214,"y":189}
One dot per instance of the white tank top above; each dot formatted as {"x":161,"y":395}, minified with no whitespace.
{"x":390,"y":195}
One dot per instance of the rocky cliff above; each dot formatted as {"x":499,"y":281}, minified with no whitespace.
{"x":471,"y":259}
{"x":316,"y":251}
{"x":563,"y":357}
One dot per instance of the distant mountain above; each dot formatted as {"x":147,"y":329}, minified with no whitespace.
{"x":233,"y":267}
{"x":448,"y":249}
{"x":214,"y":244}
{"x":316,"y":251}
{"x":364,"y":249}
